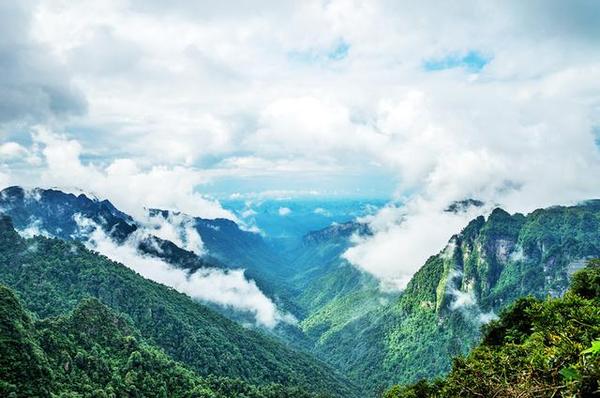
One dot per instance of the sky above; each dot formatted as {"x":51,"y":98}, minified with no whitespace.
{"x":178,"y":104}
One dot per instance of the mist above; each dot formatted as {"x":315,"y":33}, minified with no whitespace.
{"x":228,"y":288}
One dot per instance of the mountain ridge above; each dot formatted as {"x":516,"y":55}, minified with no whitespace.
{"x":491,"y":263}
{"x":207,"y":342}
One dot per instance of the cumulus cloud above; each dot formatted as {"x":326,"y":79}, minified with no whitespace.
{"x":10,"y":150}
{"x":130,"y":187}
{"x":316,"y":93}
{"x":34,"y":85}
{"x":228,"y":288}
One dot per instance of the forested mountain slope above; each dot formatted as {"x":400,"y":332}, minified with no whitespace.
{"x":375,"y":338}
{"x":228,"y":244}
{"x":51,"y":212}
{"x":94,"y":352}
{"x":491,"y":263}
{"x":332,"y":291}
{"x":225,"y":245}
{"x":537,"y":349}
{"x":52,"y":276}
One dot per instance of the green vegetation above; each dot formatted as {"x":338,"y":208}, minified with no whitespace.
{"x":482,"y":271}
{"x":536,"y":349}
{"x":93,"y":352}
{"x":52,"y":276}
{"x":373,"y":338}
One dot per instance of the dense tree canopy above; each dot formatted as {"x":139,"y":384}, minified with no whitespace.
{"x":537,"y":348}
{"x":52,"y":276}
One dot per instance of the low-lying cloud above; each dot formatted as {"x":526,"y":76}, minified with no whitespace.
{"x":284,"y":211}
{"x":404,"y":237}
{"x":520,"y":161}
{"x":33,"y":229}
{"x":178,"y":228}
{"x":228,"y":288}
{"x":465,"y":301}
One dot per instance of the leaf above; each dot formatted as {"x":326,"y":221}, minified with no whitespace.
{"x":594,"y":349}
{"x":570,"y":374}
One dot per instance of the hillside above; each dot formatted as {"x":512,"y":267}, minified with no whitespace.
{"x":375,"y":338}
{"x":94,"y":352}
{"x":52,"y":276}
{"x":333,"y":292}
{"x":536,"y":349}
{"x":51,"y":212}
{"x":482,"y":270}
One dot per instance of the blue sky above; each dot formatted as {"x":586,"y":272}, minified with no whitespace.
{"x":473,"y":61}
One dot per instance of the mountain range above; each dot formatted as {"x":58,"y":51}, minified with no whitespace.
{"x":337,"y":331}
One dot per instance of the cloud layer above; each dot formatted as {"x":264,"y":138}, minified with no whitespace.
{"x":226,"y":288}
{"x":151,"y":104}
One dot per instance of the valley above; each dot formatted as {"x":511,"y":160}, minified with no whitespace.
{"x":345,"y":335}
{"x":299,"y":199}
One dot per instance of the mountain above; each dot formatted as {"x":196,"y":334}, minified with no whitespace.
{"x":52,"y":276}
{"x":374,"y":337}
{"x":51,"y":212}
{"x":333,"y":291}
{"x":54,"y":213}
{"x":536,"y":349}
{"x":281,"y":274}
{"x":92,"y":351}
{"x":481,"y":271}
{"x":233,"y":247}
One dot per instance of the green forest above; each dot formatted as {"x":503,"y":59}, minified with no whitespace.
{"x":52,"y":277}
{"x":94,"y":352}
{"x":537,"y":348}
{"x":76,"y":324}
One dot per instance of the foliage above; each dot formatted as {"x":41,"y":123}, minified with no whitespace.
{"x":492,"y":263}
{"x":93,"y":352}
{"x":52,"y":276}
{"x":537,"y":348}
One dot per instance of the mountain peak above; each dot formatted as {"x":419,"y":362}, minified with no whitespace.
{"x":461,"y":206}
{"x":499,"y":213}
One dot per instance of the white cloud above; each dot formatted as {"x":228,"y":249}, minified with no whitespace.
{"x":33,"y":229}
{"x":124,"y":183}
{"x":178,"y":228}
{"x":465,"y":300}
{"x":5,"y":180}
{"x":404,"y":237}
{"x":514,"y":153}
{"x":34,"y":85}
{"x":284,"y":211}
{"x":227,"y":288}
{"x":15,"y":152}
{"x":183,"y":94}
{"x":322,"y":212}
{"x":249,"y":212}
{"x":10,"y":150}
